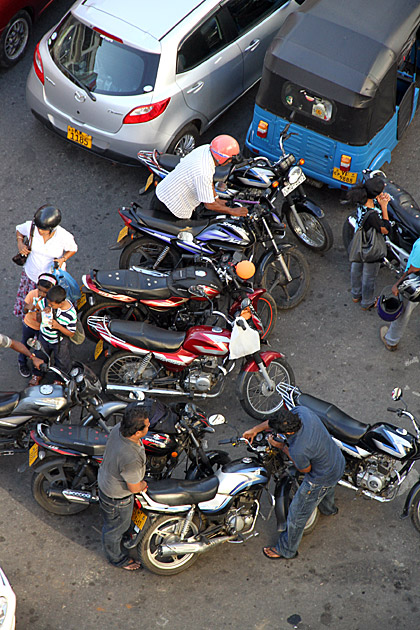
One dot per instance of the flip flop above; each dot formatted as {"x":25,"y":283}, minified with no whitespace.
{"x":132,"y":565}
{"x":277,"y":556}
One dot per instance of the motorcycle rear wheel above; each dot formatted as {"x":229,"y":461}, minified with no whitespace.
{"x":317,"y":234}
{"x":121,"y":368}
{"x":255,"y":398}
{"x":112,"y":308}
{"x":165,"y":529}
{"x":415,"y":511}
{"x":286,"y":294}
{"x":144,"y":252}
{"x":59,"y":476}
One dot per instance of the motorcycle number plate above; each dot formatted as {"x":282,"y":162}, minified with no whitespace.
{"x":344,"y":176}
{"x":98,"y":349}
{"x":138,"y":517}
{"x":33,"y":454}
{"x":81,"y":301}
{"x":286,"y":190}
{"x":123,"y":233}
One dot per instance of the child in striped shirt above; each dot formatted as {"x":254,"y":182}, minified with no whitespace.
{"x":58,"y":325}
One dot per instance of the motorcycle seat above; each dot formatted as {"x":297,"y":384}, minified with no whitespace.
{"x":87,"y":440}
{"x":8,"y":402}
{"x":139,"y":284}
{"x":405,"y":207}
{"x":163,"y":222}
{"x":183,"y":492}
{"x":147,"y":336}
{"x":338,"y":423}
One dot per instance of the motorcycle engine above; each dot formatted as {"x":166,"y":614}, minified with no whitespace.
{"x":155,"y":466}
{"x":374,"y":473}
{"x":240,"y":519}
{"x":201,"y":379}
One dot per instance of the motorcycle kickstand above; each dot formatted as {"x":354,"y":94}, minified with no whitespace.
{"x":241,"y":539}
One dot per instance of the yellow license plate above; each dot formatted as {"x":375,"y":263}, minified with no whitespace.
{"x":33,"y":454}
{"x":138,"y":517}
{"x":123,"y":233}
{"x":344,"y":176}
{"x":81,"y":301}
{"x":99,"y":348}
{"x":80,"y":137}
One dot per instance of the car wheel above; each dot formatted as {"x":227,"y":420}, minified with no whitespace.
{"x":185,"y":141}
{"x":15,"y":38}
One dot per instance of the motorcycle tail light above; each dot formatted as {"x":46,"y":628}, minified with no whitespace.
{"x":262,"y":129}
{"x":345,"y":163}
{"x":275,"y":184}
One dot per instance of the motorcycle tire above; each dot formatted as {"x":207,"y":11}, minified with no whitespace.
{"x":164,"y":528}
{"x":144,"y":252}
{"x":255,"y":399}
{"x":115,"y":310}
{"x":60,"y":476}
{"x":318,"y":235}
{"x":415,"y":510}
{"x":348,"y":231}
{"x":286,"y":294}
{"x":120,"y":368}
{"x":312,"y":521}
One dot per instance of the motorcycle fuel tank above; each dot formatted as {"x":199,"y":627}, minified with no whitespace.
{"x":207,"y":340}
{"x":255,"y":176}
{"x":394,"y":441}
{"x":43,"y":400}
{"x":227,"y":234}
{"x":159,"y":443}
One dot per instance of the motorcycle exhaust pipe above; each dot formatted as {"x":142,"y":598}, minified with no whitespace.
{"x":73,"y":496}
{"x":346,"y":484}
{"x":161,"y":392}
{"x":182,"y":548}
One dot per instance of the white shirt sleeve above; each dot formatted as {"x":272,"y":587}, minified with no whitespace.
{"x":69,"y":244}
{"x":24,"y":228}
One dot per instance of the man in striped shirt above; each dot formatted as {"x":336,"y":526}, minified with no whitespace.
{"x":58,"y":325}
{"x":191,"y":182}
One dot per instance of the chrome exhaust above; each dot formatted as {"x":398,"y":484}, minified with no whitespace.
{"x":73,"y":496}
{"x":161,"y":392}
{"x":346,"y":484}
{"x":182,"y":548}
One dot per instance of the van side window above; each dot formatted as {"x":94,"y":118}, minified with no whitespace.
{"x":307,"y":103}
{"x":246,"y":13}
{"x":204,"y":42}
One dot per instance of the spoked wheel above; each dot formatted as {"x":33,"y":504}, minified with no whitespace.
{"x":316,"y":235}
{"x":122,"y":368}
{"x":60,"y":476}
{"x":149,"y":254}
{"x":287,"y":293}
{"x":166,"y":530}
{"x":258,"y":400}
{"x":415,"y":510}
{"x":115,"y":310}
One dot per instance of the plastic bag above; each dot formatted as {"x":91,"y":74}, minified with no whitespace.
{"x":244,"y":340}
{"x":68,"y":283}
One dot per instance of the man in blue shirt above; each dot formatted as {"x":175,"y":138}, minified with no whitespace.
{"x":302,"y":436}
{"x":392,"y":336}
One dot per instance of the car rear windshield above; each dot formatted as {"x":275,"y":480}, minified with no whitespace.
{"x":99,"y":62}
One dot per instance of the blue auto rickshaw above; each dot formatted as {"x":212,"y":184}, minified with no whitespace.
{"x":348,"y":72}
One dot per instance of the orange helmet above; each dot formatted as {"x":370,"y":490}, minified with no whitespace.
{"x":245,"y":269}
{"x":223,"y":148}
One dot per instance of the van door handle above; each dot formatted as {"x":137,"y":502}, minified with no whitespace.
{"x":195,"y":88}
{"x":253,"y":45}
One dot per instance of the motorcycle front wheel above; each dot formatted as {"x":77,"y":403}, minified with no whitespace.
{"x":115,"y":310}
{"x":256,"y":398}
{"x":287,"y":294}
{"x":166,"y":530}
{"x":60,"y":476}
{"x":145,"y":252}
{"x":317,"y":233}
{"x":122,"y":369}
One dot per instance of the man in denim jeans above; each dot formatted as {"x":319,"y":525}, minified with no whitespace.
{"x":120,"y":477}
{"x":302,"y":436}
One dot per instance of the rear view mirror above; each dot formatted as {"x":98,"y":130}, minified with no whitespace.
{"x":216,"y":419}
{"x":34,"y":343}
{"x":396,"y":393}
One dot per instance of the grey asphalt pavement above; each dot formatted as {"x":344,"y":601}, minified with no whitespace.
{"x":359,"y":570}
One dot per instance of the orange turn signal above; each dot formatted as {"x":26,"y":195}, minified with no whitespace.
{"x":301,"y":162}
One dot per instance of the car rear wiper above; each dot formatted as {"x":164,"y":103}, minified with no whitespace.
{"x":78,"y":81}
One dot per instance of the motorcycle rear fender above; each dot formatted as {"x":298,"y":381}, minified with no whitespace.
{"x":44,"y":464}
{"x":309,"y":206}
{"x":282,"y":501}
{"x":410,"y":498}
{"x":268,"y":356}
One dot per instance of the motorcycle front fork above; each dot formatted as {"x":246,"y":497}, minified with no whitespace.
{"x":279,"y":255}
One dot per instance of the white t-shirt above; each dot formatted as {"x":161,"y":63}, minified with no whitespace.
{"x":42,"y":254}
{"x":189,"y":184}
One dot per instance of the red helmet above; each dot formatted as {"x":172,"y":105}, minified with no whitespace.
{"x":223,"y":148}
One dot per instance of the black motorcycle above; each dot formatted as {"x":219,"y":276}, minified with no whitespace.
{"x":65,"y":459}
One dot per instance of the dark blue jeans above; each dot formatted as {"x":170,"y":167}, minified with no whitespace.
{"x":306,"y":499}
{"x":27,"y":333}
{"x":61,"y":350}
{"x":117,"y":521}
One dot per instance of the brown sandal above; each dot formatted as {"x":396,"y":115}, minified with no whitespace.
{"x":132,"y":565}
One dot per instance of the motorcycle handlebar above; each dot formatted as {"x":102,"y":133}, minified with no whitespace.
{"x":392,"y":410}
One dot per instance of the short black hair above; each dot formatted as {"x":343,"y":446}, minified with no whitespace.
{"x":369,"y":189}
{"x":45,"y":284}
{"x":56,"y":294}
{"x":134,"y":419}
{"x":285,"y":422}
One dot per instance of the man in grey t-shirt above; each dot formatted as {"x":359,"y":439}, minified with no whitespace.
{"x":120,"y":477}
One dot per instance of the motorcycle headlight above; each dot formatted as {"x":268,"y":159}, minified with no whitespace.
{"x":294,"y":174}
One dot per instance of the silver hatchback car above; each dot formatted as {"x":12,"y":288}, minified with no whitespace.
{"x":117,"y":77}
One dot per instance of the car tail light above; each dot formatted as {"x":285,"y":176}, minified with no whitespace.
{"x":345,"y":163}
{"x":146,"y":112}
{"x":38,"y":67}
{"x":262,"y":129}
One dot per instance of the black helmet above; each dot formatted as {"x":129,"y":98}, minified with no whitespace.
{"x":47,"y":217}
{"x":410,"y":287}
{"x":389,"y":306}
